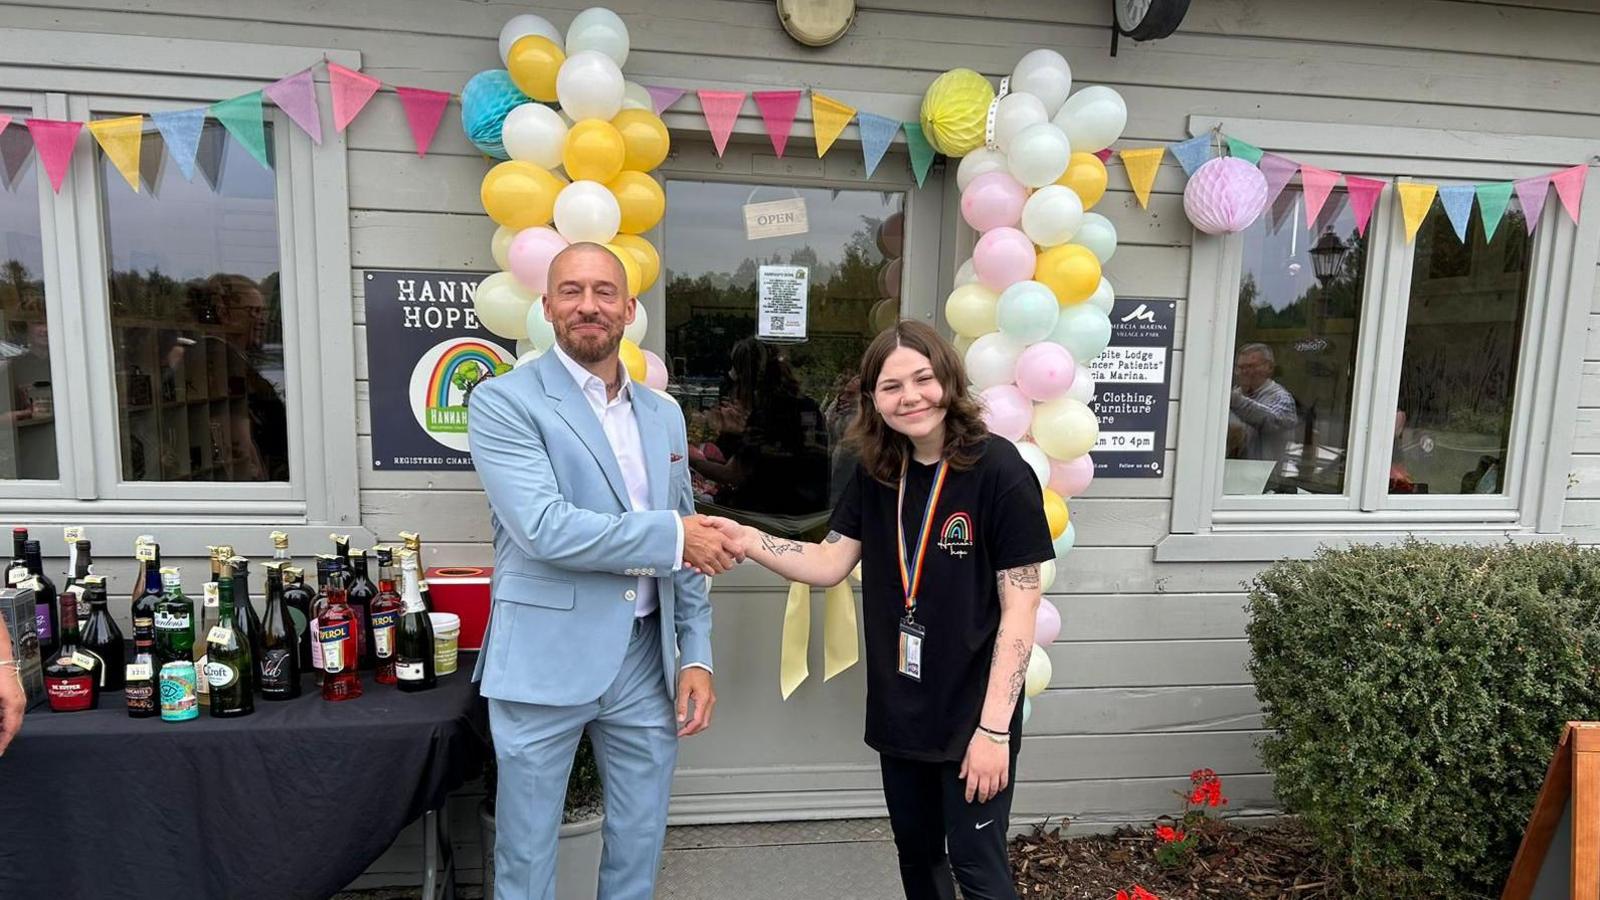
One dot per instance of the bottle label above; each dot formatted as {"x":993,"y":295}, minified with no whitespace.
{"x":140,"y":697}
{"x":277,"y":669}
{"x":70,"y":694}
{"x":219,"y":635}
{"x":41,"y":622}
{"x":15,"y":574}
{"x":414,"y":604}
{"x":210,"y":593}
{"x":201,"y":686}
{"x":171,"y":621}
{"x":334,"y":638}
{"x":316,"y":645}
{"x":178,"y":690}
{"x":144,"y":631}
{"x":383,"y":629}
{"x":220,"y":675}
{"x":139,"y":672}
{"x":409,"y":670}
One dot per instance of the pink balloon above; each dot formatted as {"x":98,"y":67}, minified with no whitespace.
{"x":530,"y":254}
{"x":993,"y":200}
{"x":1072,"y":477}
{"x":1003,"y":257}
{"x":1046,"y":624}
{"x":1006,"y":411}
{"x":1045,"y":370}
{"x":655,"y":371}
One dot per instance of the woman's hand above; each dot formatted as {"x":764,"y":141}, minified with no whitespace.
{"x":986,"y":768}
{"x":12,"y":705}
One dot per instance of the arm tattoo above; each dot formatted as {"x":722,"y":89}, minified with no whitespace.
{"x":779,"y":546}
{"x":833,"y":538}
{"x":1020,"y":676}
{"x":1024,"y":577}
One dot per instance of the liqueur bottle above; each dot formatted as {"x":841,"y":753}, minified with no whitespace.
{"x":71,"y":679}
{"x":102,"y":638}
{"x":46,"y":615}
{"x":336,"y":625}
{"x":80,"y":565}
{"x":414,"y":663}
{"x":230,"y":676}
{"x":386,"y":610}
{"x":280,"y":642}
{"x":140,"y":689}
{"x":177,"y":679}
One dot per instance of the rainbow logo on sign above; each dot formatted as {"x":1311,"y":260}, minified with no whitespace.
{"x":459,"y":368}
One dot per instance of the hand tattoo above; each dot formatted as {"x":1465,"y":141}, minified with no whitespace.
{"x":1024,"y":577}
{"x":779,"y":546}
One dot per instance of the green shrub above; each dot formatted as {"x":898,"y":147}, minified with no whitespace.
{"x":1415,"y":693}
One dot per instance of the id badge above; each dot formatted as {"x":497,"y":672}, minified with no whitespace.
{"x":911,"y":635}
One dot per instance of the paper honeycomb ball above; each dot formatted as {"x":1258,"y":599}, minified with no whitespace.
{"x":1225,"y":195}
{"x":485,"y":102}
{"x":955,"y":111}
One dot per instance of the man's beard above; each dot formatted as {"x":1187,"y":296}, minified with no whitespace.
{"x":587,"y":350}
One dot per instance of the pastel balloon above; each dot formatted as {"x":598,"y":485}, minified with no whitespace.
{"x":889,"y":278}
{"x":1082,"y":389}
{"x":500,"y":246}
{"x":640,"y":200}
{"x":630,"y":268}
{"x":1039,"y":672}
{"x":1037,"y":459}
{"x":634,"y":96}
{"x":521,"y":26}
{"x":1084,"y":330}
{"x":962,"y":343}
{"x":655,"y":372}
{"x":1086,"y":175}
{"x":599,"y":29}
{"x":531,"y":252}
{"x":891,"y":236}
{"x":1071,"y":477}
{"x":1027,"y":312}
{"x":1047,"y":576}
{"x":992,"y":361}
{"x":1055,"y":513}
{"x":1066,"y":541}
{"x":534,"y":64}
{"x":979,"y":162}
{"x":640,"y":326}
{"x":1003,"y":257}
{"x":1044,"y":74}
{"x":966,"y":273}
{"x":1027,"y":709}
{"x":1013,"y":113}
{"x":883,"y":315}
{"x":502,"y":305}
{"x":535,"y":133}
{"x":1093,"y":118}
{"x":586,"y":211}
{"x":1045,"y":371}
{"x":993,"y":200}
{"x":589,"y":86}
{"x":1064,"y":428}
{"x":1046,"y":623}
{"x":1005,"y":411}
{"x":1052,"y":215}
{"x":1070,"y":271}
{"x":593,"y":152}
{"x":1099,"y":235}
{"x":645,"y":140}
{"x":541,"y":331}
{"x":645,"y":253}
{"x":520,"y":195}
{"x":1038,"y":155}
{"x":632,"y":359}
{"x":525,"y":358}
{"x":1103,"y":297}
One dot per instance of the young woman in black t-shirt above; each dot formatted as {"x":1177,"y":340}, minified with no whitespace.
{"x":949,"y":594}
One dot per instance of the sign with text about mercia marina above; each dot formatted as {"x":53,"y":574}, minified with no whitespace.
{"x":1133,"y":383}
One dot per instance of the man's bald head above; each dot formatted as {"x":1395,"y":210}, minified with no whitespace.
{"x":569,"y":255}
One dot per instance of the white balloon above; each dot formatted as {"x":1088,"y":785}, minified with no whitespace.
{"x":586,"y":211}
{"x":541,"y":332}
{"x":589,"y":86}
{"x":992,"y":360}
{"x":501,"y":304}
{"x":1099,"y":235}
{"x":1103,"y":295}
{"x":1047,"y":575}
{"x":966,"y":274}
{"x":1036,"y":459}
{"x":634,"y":96}
{"x":962,"y":343}
{"x":1013,"y":113}
{"x":1052,"y":215}
{"x":979,"y":162}
{"x":641,"y":325}
{"x":1038,"y":155}
{"x":525,"y":358}
{"x":518,"y":27}
{"x":1082,"y":389}
{"x":1093,"y":118}
{"x":1044,"y":74}
{"x":598,"y":28}
{"x":524,"y":345}
{"x":1039,"y":672}
{"x":500,"y":246}
{"x":534,"y":133}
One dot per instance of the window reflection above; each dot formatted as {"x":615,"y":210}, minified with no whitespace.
{"x":27,"y":396}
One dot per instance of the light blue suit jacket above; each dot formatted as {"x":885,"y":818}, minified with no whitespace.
{"x":568,"y":548}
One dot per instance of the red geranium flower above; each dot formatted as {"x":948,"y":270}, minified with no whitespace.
{"x":1168,"y":835}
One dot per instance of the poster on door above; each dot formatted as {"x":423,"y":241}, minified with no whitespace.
{"x":1133,"y":383}
{"x":426,"y":353}
{"x":781,"y":303}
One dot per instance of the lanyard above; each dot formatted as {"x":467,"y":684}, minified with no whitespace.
{"x":911,"y":570}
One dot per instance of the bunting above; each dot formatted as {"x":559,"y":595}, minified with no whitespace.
{"x":1193,"y":153}
{"x":663,"y":97}
{"x":1457,"y":202}
{"x":920,"y":150}
{"x":1567,"y":182}
{"x":351,"y":92}
{"x":1317,"y":184}
{"x":4,"y":121}
{"x":1248,"y":152}
{"x":1278,"y":169}
{"x":1415,"y":200}
{"x":120,"y":139}
{"x":54,"y":140}
{"x":297,"y":95}
{"x":1364,"y":193}
{"x":1104,"y":155}
{"x":424,"y":109}
{"x":721,"y":109}
{"x":1492,"y":202}
{"x":778,"y":110}
{"x":180,"y":131}
{"x":1142,"y":164}
{"x":1531,"y":193}
{"x":241,"y":115}
{"x":829,"y":117}
{"x":877,"y":133}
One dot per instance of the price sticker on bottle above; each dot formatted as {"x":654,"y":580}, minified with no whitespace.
{"x":32,"y":583}
{"x":72,"y":535}
{"x":15,"y":575}
{"x":219,"y":635}
{"x":145,"y":553}
{"x":210,"y":592}
{"x":83,"y":659}
{"x":138,"y":671}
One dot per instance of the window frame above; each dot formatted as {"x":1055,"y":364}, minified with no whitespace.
{"x":64,"y":75}
{"x":1207,"y":525}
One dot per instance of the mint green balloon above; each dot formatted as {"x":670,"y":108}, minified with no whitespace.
{"x":1027,"y":312}
{"x":1084,"y":330}
{"x":1064,"y":544}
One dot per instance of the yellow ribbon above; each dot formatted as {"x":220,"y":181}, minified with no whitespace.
{"x":840,"y":646}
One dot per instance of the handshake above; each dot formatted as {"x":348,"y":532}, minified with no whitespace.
{"x":713,"y":545}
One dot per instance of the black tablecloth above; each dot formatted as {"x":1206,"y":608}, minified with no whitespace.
{"x":292,"y":802}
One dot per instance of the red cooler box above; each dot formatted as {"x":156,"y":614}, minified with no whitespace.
{"x":464,"y":591}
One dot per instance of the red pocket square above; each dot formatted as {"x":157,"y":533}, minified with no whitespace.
{"x":676,"y":458}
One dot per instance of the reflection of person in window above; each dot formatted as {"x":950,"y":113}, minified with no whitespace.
{"x":1261,"y":412}
{"x":838,"y":413}
{"x":260,"y":436}
{"x":25,"y":378}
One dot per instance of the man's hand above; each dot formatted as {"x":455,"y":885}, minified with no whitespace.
{"x":694,"y":683}
{"x":986,"y":768}
{"x":708,"y":549}
{"x":12,"y":704}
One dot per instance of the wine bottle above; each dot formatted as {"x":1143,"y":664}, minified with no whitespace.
{"x":280,"y":642}
{"x":70,"y":679}
{"x":144,"y":566}
{"x":413,"y":542}
{"x":102,"y":638}
{"x":299,"y":597}
{"x":230,"y":675}
{"x":80,"y":566}
{"x":386,"y":609}
{"x":244,"y":612}
{"x":336,"y":625}
{"x":140,"y":689}
{"x":46,"y":617}
{"x":359,"y":593}
{"x":341,"y":551}
{"x":280,"y":548}
{"x":178,"y":683}
{"x":19,"y":556}
{"x":414,"y":658}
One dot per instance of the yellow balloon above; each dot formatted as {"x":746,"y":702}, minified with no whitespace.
{"x":642,"y":201}
{"x":645,"y":137}
{"x":955,"y":110}
{"x":520,"y":195}
{"x":632,"y":359}
{"x":884,"y":315}
{"x":643,"y":253}
{"x":593,"y":151}
{"x":1055,"y":513}
{"x":533,"y":61}
{"x":1086,"y":175}
{"x":1071,"y":271}
{"x":971,"y":310}
{"x":630,"y":265}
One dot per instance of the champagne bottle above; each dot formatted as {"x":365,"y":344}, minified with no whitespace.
{"x":102,"y":638}
{"x":230,"y":676}
{"x":336,"y":629}
{"x":178,"y":679}
{"x":280,"y":642}
{"x":413,"y":542}
{"x":299,"y":597}
{"x":244,"y":611}
{"x":71,"y":679}
{"x":414,"y":658}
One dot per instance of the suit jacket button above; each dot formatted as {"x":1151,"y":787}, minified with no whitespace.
{"x":650,"y":571}
{"x":630,"y":595}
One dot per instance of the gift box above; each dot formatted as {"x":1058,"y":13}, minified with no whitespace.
{"x":463,"y":590}
{"x":17,"y":610}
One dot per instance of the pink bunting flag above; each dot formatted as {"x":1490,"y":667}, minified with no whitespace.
{"x":351,"y":90}
{"x":1531,"y":193}
{"x":663,"y":97}
{"x":721,"y":110}
{"x":54,"y":140}
{"x":1104,"y":155}
{"x":777,"y":111}
{"x":1318,"y":184}
{"x":1568,"y":184}
{"x":424,"y":109}
{"x":297,"y":96}
{"x":4,"y":121}
{"x":1364,"y":193}
{"x":1278,"y":169}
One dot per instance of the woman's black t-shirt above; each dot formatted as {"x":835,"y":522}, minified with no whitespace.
{"x":989,"y":518}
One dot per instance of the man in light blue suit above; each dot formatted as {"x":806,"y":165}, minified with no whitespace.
{"x":600,"y":615}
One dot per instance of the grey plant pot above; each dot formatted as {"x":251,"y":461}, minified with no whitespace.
{"x":577,"y":856}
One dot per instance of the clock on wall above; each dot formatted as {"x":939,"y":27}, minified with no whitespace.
{"x":1145,"y":20}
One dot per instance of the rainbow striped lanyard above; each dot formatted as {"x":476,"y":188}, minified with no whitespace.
{"x":911,"y":570}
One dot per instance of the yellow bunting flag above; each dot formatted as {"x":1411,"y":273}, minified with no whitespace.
{"x":120,"y":139}
{"x":1415,"y":200}
{"x":840,"y":649}
{"x":792,"y":669}
{"x":829,"y":117}
{"x":1142,"y":165}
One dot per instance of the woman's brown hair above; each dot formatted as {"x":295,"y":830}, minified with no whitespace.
{"x":882,"y":449}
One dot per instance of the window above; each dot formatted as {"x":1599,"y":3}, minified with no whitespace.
{"x":27,"y":413}
{"x":1359,"y":386}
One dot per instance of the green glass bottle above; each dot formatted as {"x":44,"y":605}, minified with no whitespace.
{"x":177,"y":679}
{"x":229,"y":675}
